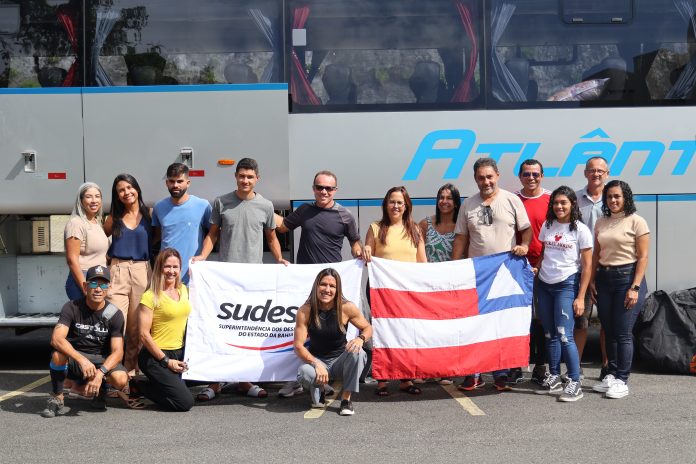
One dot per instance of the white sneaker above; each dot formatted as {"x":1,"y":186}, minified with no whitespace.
{"x":290,"y":389}
{"x":604,"y":385}
{"x":618,"y":389}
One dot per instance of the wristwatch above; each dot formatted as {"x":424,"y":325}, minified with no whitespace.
{"x":164,"y":362}
{"x":104,"y":370}
{"x":362,"y":337}
{"x":636,"y":288}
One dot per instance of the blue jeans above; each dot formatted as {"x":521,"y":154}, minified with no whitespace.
{"x":555,"y":309}
{"x":612,"y":283}
{"x":72,"y":289}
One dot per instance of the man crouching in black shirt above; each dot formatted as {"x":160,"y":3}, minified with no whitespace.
{"x":88,"y":343}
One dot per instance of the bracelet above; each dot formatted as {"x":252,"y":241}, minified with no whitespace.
{"x":362,"y":337}
{"x":164,"y":362}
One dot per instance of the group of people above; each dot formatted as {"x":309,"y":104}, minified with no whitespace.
{"x":585,"y":247}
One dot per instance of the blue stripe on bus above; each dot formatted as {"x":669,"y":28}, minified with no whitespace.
{"x":643,"y":198}
{"x":186,"y":88}
{"x":678,"y":197}
{"x":41,"y":91}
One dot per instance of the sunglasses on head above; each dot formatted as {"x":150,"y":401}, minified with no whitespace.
{"x":95,"y":284}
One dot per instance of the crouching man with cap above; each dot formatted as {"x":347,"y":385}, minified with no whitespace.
{"x":88,"y":344}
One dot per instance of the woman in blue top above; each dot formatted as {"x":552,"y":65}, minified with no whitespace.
{"x":130,"y":227}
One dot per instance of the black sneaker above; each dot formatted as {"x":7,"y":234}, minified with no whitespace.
{"x":571,"y":392}
{"x":54,"y":407}
{"x":566,"y":379}
{"x":346,"y":408}
{"x":551,"y":384}
{"x":539,"y":373}
{"x":501,"y":383}
{"x":515,"y":376}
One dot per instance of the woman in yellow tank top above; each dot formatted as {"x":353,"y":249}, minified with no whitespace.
{"x":396,"y":236}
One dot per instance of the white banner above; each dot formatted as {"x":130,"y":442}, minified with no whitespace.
{"x":242,"y":321}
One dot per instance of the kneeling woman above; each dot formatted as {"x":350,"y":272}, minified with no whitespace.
{"x":324,"y":318}
{"x":162,"y":316}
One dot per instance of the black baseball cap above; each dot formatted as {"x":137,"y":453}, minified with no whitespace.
{"x":98,"y":272}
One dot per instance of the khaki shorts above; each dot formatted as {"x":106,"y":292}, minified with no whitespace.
{"x":583,"y":321}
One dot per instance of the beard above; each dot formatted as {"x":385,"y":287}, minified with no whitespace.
{"x":179,"y":194}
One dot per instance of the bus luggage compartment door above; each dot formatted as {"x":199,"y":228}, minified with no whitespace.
{"x":41,"y":166}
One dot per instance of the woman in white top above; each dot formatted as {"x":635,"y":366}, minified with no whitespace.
{"x":86,"y":243}
{"x":564,"y":275}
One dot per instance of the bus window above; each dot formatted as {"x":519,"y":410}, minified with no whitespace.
{"x":39,"y":45}
{"x":169,"y":42}
{"x":383,"y":54}
{"x":626,"y":53}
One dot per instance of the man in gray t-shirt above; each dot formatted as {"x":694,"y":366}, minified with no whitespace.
{"x":242,"y":217}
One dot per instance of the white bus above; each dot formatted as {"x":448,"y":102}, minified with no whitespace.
{"x":382,"y":92}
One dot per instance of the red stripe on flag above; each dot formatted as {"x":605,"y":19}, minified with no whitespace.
{"x":450,"y":304}
{"x":414,"y":363}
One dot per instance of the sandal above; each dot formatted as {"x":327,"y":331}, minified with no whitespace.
{"x":411,"y":390}
{"x":131,"y":402}
{"x":255,"y":392}
{"x":207,"y":394}
{"x":445,"y":382}
{"x":382,"y":391}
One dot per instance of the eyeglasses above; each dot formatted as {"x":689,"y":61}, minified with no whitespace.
{"x":485,"y":215}
{"x":320,"y":188}
{"x":94,"y":284}
{"x":601,"y":172}
{"x":396,"y":203}
{"x":535,"y":175}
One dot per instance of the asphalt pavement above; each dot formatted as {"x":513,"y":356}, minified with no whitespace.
{"x":656,"y":423}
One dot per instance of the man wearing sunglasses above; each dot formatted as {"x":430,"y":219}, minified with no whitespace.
{"x":535,"y":199}
{"x":325,"y":224}
{"x":88,"y":344}
{"x":487,"y":223}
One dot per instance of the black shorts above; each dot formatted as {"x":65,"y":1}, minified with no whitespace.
{"x":75,"y":371}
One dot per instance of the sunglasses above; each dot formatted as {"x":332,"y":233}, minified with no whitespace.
{"x":535,"y":175}
{"x":485,"y":215}
{"x":320,"y":188}
{"x":94,"y":284}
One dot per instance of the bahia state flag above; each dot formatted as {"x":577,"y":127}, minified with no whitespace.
{"x":452,"y":318}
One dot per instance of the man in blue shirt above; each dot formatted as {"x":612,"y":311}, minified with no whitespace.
{"x":182,"y":220}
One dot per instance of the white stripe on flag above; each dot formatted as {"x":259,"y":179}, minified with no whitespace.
{"x":422,"y":277}
{"x":423,"y":333}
